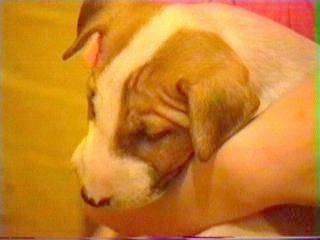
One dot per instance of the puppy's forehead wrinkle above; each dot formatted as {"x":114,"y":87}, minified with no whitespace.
{"x":141,"y":77}
{"x":177,"y":118}
{"x":172,"y":102}
{"x":157,"y":102}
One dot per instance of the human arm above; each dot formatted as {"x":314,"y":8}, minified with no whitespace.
{"x":269,"y":162}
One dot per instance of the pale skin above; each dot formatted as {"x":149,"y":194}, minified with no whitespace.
{"x":270,"y":162}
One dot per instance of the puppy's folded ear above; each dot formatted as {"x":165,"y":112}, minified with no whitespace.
{"x":90,"y":31}
{"x":218,"y":107}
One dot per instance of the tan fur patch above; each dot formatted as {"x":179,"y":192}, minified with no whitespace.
{"x":218,"y":100}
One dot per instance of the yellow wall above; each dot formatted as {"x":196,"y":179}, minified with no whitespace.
{"x":44,"y":117}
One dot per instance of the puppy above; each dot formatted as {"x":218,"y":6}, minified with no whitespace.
{"x":171,"y":83}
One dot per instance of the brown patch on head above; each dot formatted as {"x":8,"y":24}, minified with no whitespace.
{"x":115,"y":21}
{"x":193,"y":76}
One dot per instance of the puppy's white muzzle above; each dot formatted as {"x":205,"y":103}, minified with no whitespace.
{"x":111,"y":179}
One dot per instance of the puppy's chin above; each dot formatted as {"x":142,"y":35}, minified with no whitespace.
{"x":157,"y":190}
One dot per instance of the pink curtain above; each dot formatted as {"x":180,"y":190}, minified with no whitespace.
{"x":298,"y":15}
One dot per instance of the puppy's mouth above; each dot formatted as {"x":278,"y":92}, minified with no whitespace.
{"x":90,"y":201}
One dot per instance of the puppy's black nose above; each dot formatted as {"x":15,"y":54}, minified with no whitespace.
{"x":101,"y":203}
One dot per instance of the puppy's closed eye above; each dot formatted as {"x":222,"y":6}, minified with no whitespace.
{"x":144,"y":128}
{"x":156,"y":127}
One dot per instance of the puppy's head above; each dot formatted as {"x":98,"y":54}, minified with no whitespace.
{"x":148,"y":116}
